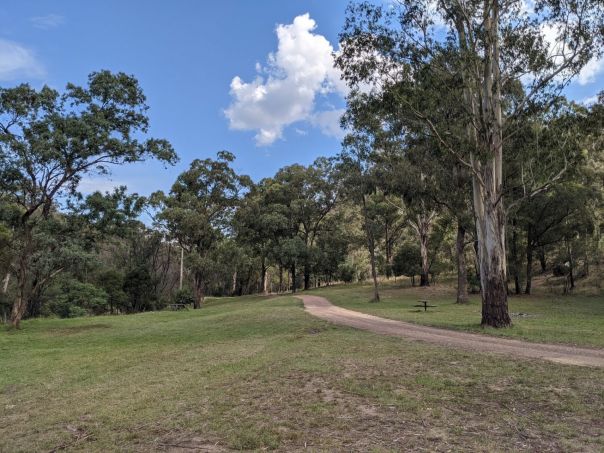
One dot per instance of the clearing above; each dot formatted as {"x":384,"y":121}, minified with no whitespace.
{"x":260,"y":373}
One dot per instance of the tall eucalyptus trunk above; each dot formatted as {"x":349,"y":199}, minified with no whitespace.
{"x":422,"y":225}
{"x":482,"y":96}
{"x":199,"y":291}
{"x":23,"y":285}
{"x":462,"y":275}
{"x":529,"y":259}
{"x":371,"y":247}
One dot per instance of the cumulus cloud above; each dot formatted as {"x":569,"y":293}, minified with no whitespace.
{"x":284,"y":91}
{"x":18,"y":61}
{"x":590,"y":71}
{"x":329,"y":122}
{"x":47,"y":22}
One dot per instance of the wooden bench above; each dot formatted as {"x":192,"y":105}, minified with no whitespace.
{"x":178,"y":307}
{"x":424,"y":304}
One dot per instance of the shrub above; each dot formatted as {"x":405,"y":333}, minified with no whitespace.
{"x":74,"y":298}
{"x":184,"y":296}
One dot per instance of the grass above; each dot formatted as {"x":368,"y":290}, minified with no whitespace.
{"x":261,"y":374}
{"x":577,"y":320}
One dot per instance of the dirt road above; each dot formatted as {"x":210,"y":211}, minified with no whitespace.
{"x":322,"y":308}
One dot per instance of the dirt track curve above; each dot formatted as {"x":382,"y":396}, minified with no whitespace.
{"x":322,"y":308}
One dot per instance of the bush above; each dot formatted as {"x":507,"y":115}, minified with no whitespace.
{"x":473,"y":283}
{"x":74,"y":298}
{"x":184,"y":296}
{"x":139,"y":290}
{"x":407,"y":261}
{"x":347,"y":272}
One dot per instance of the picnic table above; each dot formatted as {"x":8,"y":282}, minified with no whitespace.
{"x":424,"y":304}
{"x":178,"y":307}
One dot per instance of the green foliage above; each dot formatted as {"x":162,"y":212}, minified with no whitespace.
{"x":49,"y":141}
{"x":407,"y":261}
{"x":347,"y":272}
{"x":198,"y":211}
{"x":183,"y":296}
{"x":138,"y":289}
{"x":72,"y":299}
{"x":112,"y":282}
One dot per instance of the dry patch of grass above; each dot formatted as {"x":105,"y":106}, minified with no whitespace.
{"x":260,"y":374}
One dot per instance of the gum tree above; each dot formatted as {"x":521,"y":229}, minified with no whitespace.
{"x":50,"y":140}
{"x":490,"y":47}
{"x":197,"y":212}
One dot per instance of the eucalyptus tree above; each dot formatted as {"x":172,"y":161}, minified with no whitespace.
{"x":50,"y":140}
{"x":197,"y":212}
{"x":303,"y":197}
{"x":573,"y":134}
{"x":390,"y":224}
{"x":490,"y":47}
{"x":359,"y":182}
{"x":257,"y":226}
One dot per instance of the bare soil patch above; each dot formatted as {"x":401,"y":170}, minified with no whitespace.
{"x":569,"y":355}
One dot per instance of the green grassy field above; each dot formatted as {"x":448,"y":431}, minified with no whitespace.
{"x":577,"y":320}
{"x":253,"y":373}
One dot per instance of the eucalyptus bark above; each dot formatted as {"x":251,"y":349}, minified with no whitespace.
{"x":529,"y":270}
{"x":293,"y":276}
{"x":234,"y":284}
{"x":529,"y":259}
{"x":265,"y":286}
{"x":422,"y":224}
{"x":515,"y":257}
{"x":571,"y":264}
{"x":462,"y":276}
{"x":542,"y":260}
{"x":199,"y":291}
{"x":5,"y":283}
{"x":280,"y":278}
{"x":263,"y":275}
{"x":371,"y":247}
{"x":487,"y":171}
{"x":20,"y":304}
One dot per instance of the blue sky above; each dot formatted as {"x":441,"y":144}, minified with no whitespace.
{"x":201,"y":65}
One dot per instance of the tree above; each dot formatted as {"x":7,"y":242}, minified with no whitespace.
{"x":49,"y":141}
{"x":490,"y":47}
{"x":357,"y":172}
{"x":198,"y":210}
{"x":138,"y":289}
{"x":407,"y":261}
{"x":311,"y":195}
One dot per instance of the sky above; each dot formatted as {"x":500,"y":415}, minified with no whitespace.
{"x":252,"y":77}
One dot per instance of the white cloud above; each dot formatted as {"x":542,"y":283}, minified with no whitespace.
{"x":329,"y":122}
{"x":18,"y":61}
{"x":590,"y":100}
{"x":284,"y":91}
{"x":90,"y":184}
{"x":48,"y":21}
{"x":593,"y":68}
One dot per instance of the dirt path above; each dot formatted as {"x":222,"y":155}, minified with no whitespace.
{"x":322,"y":308}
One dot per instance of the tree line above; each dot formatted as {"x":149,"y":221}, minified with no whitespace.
{"x":461,"y":155}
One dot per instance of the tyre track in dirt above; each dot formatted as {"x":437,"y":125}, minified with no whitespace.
{"x":568,"y":355}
